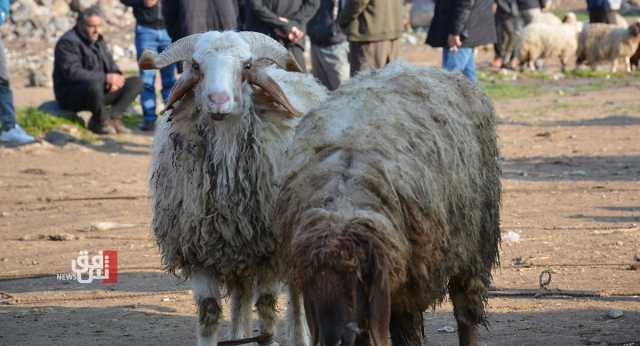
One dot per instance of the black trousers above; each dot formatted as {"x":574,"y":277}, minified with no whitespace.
{"x":93,"y":97}
{"x":508,"y":30}
{"x":599,"y":15}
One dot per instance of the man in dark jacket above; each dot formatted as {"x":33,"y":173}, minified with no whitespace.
{"x":186,"y":17}
{"x":329,"y":46}
{"x":151,"y":34}
{"x":85,"y":76}
{"x":373,"y":28}
{"x":603,"y":11}
{"x":284,"y":20}
{"x":458,"y":27}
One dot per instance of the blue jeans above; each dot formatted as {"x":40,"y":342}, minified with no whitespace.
{"x":7,"y":112}
{"x":156,"y":40}
{"x":462,"y":60}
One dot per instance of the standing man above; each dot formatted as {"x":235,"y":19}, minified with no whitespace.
{"x":151,"y":34}
{"x":508,"y":32}
{"x":186,"y":17}
{"x":284,"y":20}
{"x":85,"y":76}
{"x":10,"y":132}
{"x":373,"y":28}
{"x":458,"y":27}
{"x":603,"y":11}
{"x":329,"y":46}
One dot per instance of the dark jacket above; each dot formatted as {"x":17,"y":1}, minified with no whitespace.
{"x":529,"y":4}
{"x":186,"y":17}
{"x":323,"y":29}
{"x":146,"y":16}
{"x":597,"y":4}
{"x":372,"y":20}
{"x":262,"y":15}
{"x":507,"y":8}
{"x":77,"y":59}
{"x":471,"y":19}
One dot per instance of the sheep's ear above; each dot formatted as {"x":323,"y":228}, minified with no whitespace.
{"x":311,"y":321}
{"x":292,"y":64}
{"x":259,"y":78}
{"x":379,"y":304}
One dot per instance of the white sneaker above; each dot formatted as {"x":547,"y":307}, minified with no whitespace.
{"x":16,"y":136}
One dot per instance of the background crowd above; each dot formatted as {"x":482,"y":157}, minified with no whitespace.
{"x":346,"y":36}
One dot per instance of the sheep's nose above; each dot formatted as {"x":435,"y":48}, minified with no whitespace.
{"x":219,"y":98}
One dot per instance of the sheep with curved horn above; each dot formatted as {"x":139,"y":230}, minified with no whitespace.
{"x":216,"y":170}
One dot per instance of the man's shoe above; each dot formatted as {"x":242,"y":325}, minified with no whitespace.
{"x":100,"y":127}
{"x":148,"y":126}
{"x":16,"y":136}
{"x":119,"y":126}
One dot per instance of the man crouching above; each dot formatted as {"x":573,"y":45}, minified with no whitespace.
{"x":86,"y":77}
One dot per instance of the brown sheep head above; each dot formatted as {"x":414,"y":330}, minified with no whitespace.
{"x":634,"y":29}
{"x":347,"y":294}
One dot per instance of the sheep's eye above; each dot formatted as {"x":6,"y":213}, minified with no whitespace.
{"x":247,"y":65}
{"x":195,"y":66}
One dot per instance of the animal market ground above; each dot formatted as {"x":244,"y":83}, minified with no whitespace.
{"x":570,"y":153}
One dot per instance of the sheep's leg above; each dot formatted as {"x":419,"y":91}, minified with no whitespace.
{"x":241,"y":299}
{"x":296,"y":320}
{"x":627,"y":63}
{"x":614,"y":67}
{"x":468,"y":297}
{"x":406,"y":328}
{"x":266,"y":306}
{"x":206,"y":295}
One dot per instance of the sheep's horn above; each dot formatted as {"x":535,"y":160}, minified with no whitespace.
{"x":186,"y":82}
{"x":180,"y":50}
{"x":264,"y":46}
{"x":261,"y":79}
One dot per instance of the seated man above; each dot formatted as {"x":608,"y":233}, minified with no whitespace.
{"x":85,"y":76}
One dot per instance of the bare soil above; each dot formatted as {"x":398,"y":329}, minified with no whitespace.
{"x":571,"y":162}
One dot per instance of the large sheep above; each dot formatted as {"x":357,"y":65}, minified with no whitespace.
{"x":608,"y":43}
{"x":542,"y":40}
{"x":391,"y":201}
{"x":216,"y":169}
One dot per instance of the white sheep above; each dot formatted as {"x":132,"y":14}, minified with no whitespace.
{"x":216,"y":169}
{"x":608,"y":43}
{"x":542,"y":40}
{"x":392,"y":200}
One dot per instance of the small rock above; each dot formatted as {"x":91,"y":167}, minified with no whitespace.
{"x":578,"y":173}
{"x":106,"y":226}
{"x":511,"y":236}
{"x":4,"y":259}
{"x":619,"y":243}
{"x":168,"y":299}
{"x":5,"y":214}
{"x":636,"y":257}
{"x":615,"y":314}
{"x":545,"y":134}
{"x":58,"y":138}
{"x":30,"y":237}
{"x":61,"y":237}
{"x":35,"y":262}
{"x":635,"y":266}
{"x":446,"y":329}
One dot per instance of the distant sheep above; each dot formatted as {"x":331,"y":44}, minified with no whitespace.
{"x":542,"y":40}
{"x":391,"y":200}
{"x":600,"y":43}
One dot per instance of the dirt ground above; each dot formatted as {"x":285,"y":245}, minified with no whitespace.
{"x":571,"y":162}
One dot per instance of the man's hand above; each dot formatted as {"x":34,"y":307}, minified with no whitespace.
{"x":454,"y":42}
{"x":150,"y":3}
{"x":295,"y":34}
{"x":114,"y":81}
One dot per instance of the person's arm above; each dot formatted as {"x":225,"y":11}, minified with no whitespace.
{"x":460,"y":17}
{"x":267,"y":16}
{"x":351,"y":11}
{"x":170,"y":15}
{"x":68,"y":58}
{"x":306,"y":11}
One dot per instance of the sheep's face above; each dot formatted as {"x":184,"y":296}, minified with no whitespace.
{"x":634,"y":29}
{"x":219,"y":61}
{"x":335,"y":305}
{"x":344,"y":308}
